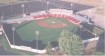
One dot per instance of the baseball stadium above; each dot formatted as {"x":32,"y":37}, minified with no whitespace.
{"x":30,"y":26}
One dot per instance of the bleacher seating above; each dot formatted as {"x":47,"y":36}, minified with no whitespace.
{"x":59,"y":13}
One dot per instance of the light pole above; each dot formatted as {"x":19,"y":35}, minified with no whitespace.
{"x":29,"y":6}
{"x":80,"y":29}
{"x":71,"y":6}
{"x":22,"y":5}
{"x":13,"y":29}
{"x":1,"y":20}
{"x":1,"y":25}
{"x":37,"y":34}
{"x":42,"y":2}
{"x":47,"y":5}
{"x":11,"y":6}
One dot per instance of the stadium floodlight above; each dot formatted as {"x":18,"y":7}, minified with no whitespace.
{"x":29,"y":6}
{"x":47,"y":2}
{"x":71,"y":6}
{"x":13,"y":29}
{"x":37,"y":34}
{"x":1,"y":20}
{"x":1,"y":25}
{"x":81,"y":26}
{"x":42,"y":2}
{"x":11,"y":3}
{"x":47,"y":5}
{"x":22,"y":5}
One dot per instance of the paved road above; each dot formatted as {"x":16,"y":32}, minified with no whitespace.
{"x":38,"y":6}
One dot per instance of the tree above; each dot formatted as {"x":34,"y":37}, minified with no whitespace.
{"x":70,"y":43}
{"x":49,"y":48}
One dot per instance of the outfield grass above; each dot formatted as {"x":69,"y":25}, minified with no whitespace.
{"x":27,"y":31}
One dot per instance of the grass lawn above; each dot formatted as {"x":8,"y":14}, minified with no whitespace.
{"x":27,"y":31}
{"x":15,"y":51}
